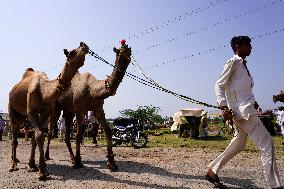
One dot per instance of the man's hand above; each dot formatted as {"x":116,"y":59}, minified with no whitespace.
{"x":226,"y":113}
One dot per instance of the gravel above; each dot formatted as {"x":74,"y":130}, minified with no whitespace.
{"x":138,"y":168}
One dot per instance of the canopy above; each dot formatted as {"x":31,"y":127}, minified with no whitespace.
{"x":192,"y":112}
{"x":179,"y":117}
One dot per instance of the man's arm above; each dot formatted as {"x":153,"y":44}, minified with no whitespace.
{"x":222,"y":83}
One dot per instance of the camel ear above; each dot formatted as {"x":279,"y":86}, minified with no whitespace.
{"x":115,"y":50}
{"x":66,"y":52}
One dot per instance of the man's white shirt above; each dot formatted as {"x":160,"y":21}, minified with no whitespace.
{"x":234,"y":89}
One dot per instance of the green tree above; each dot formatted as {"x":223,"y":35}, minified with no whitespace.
{"x":145,"y":114}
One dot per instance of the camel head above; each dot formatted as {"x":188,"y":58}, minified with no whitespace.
{"x":76,"y":57}
{"x":75,"y":60}
{"x":123,"y":56}
{"x":279,"y":97}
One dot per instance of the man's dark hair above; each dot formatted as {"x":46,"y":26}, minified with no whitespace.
{"x":239,"y":40}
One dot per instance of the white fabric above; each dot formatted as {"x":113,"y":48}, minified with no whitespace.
{"x":280,"y":120}
{"x":178,"y":119}
{"x":253,"y":128}
{"x":191,"y":112}
{"x":62,"y":126}
{"x":203,"y":131}
{"x":174,"y":126}
{"x":234,"y":89}
{"x":93,"y":119}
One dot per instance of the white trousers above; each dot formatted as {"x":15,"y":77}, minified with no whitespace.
{"x":261,"y":138}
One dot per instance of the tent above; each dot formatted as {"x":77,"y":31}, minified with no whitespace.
{"x":189,"y":118}
{"x":180,"y":116}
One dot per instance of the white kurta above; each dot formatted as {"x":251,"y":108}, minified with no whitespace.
{"x":234,"y":89}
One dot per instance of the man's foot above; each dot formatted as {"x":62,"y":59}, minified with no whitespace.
{"x":214,"y":179}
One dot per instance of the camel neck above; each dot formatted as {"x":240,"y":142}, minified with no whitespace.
{"x":51,"y":91}
{"x":113,"y":81}
{"x":66,"y":75}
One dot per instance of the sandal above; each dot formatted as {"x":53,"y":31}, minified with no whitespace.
{"x":215,"y":181}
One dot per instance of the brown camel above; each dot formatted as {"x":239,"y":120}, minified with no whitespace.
{"x":86,"y":93}
{"x":279,"y":97}
{"x":33,"y":97}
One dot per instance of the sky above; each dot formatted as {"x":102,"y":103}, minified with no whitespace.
{"x":34,"y":34}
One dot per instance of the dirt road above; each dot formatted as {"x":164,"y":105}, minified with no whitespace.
{"x":144,"y":168}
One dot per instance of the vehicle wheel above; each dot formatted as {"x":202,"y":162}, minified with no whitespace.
{"x":139,"y":142}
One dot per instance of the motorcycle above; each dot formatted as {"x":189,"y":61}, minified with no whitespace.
{"x":128,"y":133}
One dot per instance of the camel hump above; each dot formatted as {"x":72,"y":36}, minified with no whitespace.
{"x":28,"y":72}
{"x":29,"y":69}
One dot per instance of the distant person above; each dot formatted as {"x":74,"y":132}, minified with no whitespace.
{"x":84,"y":126}
{"x":234,"y":91}
{"x":203,"y":131}
{"x":280,"y":121}
{"x":170,"y":122}
{"x":2,"y":126}
{"x":95,"y":128}
{"x":259,"y":111}
{"x":62,"y":128}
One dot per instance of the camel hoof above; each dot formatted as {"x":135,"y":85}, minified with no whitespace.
{"x":43,"y":176}
{"x":17,"y":161}
{"x":72,"y":159}
{"x":112,"y":167}
{"x":47,"y":158}
{"x":33,"y":169}
{"x":13,"y":168}
{"x":78,"y":165}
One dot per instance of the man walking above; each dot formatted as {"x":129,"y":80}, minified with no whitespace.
{"x":234,"y":91}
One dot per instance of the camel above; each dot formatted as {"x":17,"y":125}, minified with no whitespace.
{"x":279,"y":97}
{"x":33,"y":98}
{"x":86,"y":93}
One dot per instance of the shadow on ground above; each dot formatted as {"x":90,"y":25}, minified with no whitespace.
{"x":93,"y":173}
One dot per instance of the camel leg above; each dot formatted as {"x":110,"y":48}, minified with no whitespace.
{"x":37,"y":123}
{"x":78,"y":164}
{"x":32,"y":164}
{"x":34,"y":119}
{"x":100,"y":115}
{"x":40,"y":137}
{"x":69,"y":123}
{"x":16,"y":120}
{"x":53,"y":125}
